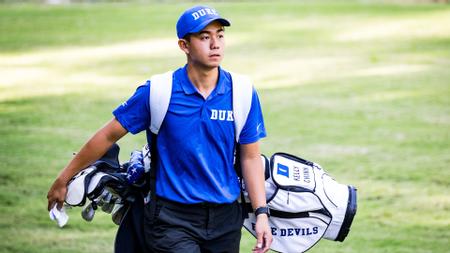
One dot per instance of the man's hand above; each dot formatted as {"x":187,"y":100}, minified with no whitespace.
{"x":57,"y":194}
{"x":263,"y":234}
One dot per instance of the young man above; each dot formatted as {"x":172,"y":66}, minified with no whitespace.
{"x":196,"y":207}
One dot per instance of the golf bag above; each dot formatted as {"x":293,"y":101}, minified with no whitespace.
{"x":305,"y":203}
{"x":106,"y":185}
{"x":93,"y":185}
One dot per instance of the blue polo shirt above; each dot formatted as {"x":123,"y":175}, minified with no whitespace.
{"x":196,"y":140}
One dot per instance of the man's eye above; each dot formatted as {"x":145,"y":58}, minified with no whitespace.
{"x":205,"y":37}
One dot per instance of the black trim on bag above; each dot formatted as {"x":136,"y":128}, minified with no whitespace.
{"x":293,"y":188}
{"x":267,"y":167}
{"x":286,"y":215}
{"x":296,"y":159}
{"x":273,"y":195}
{"x":322,"y":212}
{"x":349,"y":214}
{"x":289,"y":215}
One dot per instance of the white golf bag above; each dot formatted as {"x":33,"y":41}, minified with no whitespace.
{"x":305,"y":203}
{"x":103,"y":185}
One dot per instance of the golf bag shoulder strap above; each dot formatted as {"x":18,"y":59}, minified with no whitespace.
{"x":242,"y":101}
{"x":161,"y":91}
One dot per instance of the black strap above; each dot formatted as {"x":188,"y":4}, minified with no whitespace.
{"x":288,"y":215}
{"x":237,"y":160}
{"x":245,"y":209}
{"x":349,"y":214}
{"x":153,"y":168}
{"x":238,"y":169}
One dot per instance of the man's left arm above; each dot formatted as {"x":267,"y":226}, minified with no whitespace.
{"x":253,"y":174}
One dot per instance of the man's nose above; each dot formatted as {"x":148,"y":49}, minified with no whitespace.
{"x":215,"y":43}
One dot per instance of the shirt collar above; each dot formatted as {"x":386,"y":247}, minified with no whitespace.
{"x":223,"y":84}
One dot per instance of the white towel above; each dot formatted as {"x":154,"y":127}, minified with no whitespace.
{"x":59,"y":215}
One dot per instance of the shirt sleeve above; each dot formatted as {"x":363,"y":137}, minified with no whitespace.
{"x":254,"y":128}
{"x":134,"y":114}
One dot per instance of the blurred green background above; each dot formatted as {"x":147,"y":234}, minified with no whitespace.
{"x":361,"y":87}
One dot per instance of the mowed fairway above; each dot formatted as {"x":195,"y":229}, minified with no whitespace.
{"x":361,"y":88}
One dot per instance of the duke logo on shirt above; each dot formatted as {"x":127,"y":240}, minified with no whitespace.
{"x":222,"y":115}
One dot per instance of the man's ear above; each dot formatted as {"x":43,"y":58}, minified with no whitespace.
{"x":184,"y":45}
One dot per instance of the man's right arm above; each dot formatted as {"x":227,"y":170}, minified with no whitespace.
{"x":94,"y":148}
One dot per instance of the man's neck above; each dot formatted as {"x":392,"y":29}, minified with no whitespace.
{"x":205,"y":80}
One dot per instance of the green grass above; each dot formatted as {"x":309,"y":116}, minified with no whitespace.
{"x":362,"y":88}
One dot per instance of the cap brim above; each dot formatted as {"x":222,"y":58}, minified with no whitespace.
{"x":202,"y":26}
